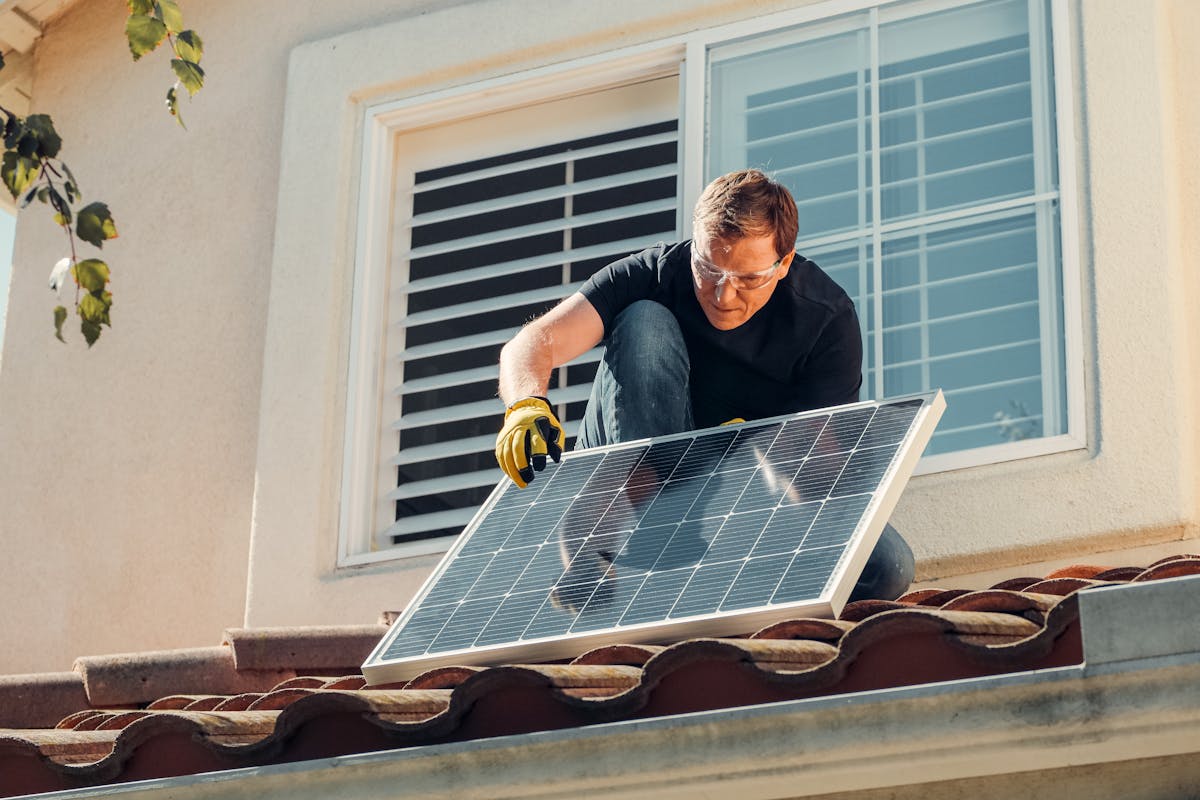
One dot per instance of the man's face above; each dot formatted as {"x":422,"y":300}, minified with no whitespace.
{"x":726,"y":275}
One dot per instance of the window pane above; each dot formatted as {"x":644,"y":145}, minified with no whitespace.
{"x":799,"y":111}
{"x":956,"y":109}
{"x":976,"y":324}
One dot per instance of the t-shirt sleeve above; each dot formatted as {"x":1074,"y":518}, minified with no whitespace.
{"x":832,"y":374}
{"x":621,"y":283}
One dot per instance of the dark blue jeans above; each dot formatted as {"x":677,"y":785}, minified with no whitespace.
{"x":641,"y":390}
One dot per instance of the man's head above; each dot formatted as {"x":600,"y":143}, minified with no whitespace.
{"x":744,"y":231}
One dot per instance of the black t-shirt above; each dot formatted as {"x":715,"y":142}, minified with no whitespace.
{"x":801,"y":350}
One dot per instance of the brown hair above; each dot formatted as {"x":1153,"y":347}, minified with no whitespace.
{"x":747,"y":203}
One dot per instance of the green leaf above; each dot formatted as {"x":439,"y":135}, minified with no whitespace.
{"x":190,"y":74}
{"x":41,"y":127}
{"x":91,"y":331}
{"x":189,"y":47}
{"x":27,"y":198}
{"x":141,"y":6}
{"x":92,"y":274}
{"x":56,"y":200}
{"x":94,"y":224}
{"x":70,"y":184}
{"x":169,"y":13}
{"x":27,"y":145}
{"x":60,"y":316}
{"x":173,"y":106}
{"x":63,"y":217}
{"x":94,"y":307}
{"x":18,"y":172}
{"x":144,"y":34}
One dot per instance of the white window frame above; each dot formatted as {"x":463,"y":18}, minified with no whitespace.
{"x":364,"y":472}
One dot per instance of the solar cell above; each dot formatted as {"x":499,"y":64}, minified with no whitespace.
{"x":706,"y":533}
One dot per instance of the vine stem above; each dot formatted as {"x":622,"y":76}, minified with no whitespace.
{"x":47,"y":168}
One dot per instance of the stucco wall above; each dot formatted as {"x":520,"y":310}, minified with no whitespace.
{"x":133,"y":475}
{"x":127,"y":471}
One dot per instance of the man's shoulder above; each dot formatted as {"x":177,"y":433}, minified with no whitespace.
{"x":809,"y":284}
{"x":654,"y":263}
{"x":663,"y":253}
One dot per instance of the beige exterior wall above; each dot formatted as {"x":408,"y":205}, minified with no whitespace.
{"x":127,"y":471}
{"x":208,"y":425}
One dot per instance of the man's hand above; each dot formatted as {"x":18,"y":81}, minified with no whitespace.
{"x":530,"y":433}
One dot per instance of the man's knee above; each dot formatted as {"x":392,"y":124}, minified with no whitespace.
{"x":889,"y":570}
{"x":650,"y":330}
{"x":646,"y":345}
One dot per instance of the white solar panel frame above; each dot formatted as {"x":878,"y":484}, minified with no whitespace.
{"x":378,"y":670}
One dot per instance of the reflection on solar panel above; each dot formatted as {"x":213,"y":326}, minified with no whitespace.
{"x":706,"y":533}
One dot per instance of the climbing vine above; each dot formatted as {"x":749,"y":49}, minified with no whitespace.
{"x":32,"y":170}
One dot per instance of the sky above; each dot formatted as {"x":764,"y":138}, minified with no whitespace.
{"x":7,"y":224}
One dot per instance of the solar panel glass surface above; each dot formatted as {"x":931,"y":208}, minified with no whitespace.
{"x":625,"y":540}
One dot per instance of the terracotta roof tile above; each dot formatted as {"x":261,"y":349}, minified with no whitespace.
{"x":1177,"y":557}
{"x":633,"y":655}
{"x":208,"y":710}
{"x":33,"y":701}
{"x":1017,"y":584}
{"x":1002,"y":600}
{"x":142,"y":677}
{"x":1171,"y":568}
{"x":939,"y":599}
{"x":820,"y":629}
{"x":442,"y":677}
{"x":193,"y":701}
{"x":309,"y":649}
{"x":1061,"y":586}
{"x":1076,"y":571}
{"x":861,"y":609}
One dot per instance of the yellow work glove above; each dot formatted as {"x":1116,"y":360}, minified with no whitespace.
{"x":530,"y":433}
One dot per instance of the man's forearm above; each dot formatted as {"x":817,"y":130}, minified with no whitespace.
{"x":563,"y":333}
{"x":525,"y":366}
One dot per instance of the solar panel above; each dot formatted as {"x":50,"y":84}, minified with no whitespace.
{"x":710,"y":533}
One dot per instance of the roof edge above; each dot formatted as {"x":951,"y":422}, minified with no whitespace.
{"x":1020,"y":722}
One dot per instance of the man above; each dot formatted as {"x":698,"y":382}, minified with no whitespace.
{"x":730,"y":326}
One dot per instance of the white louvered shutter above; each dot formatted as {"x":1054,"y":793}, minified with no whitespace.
{"x":497,"y":219}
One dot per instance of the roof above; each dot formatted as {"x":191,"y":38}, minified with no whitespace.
{"x":276,"y":696}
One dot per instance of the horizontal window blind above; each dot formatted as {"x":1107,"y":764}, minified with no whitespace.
{"x":494,"y":242}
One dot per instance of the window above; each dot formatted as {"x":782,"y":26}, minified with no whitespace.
{"x":497,"y":218}
{"x":952,"y":254}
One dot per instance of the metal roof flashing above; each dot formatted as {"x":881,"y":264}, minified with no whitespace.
{"x":1139,"y":621}
{"x":1136,"y":696}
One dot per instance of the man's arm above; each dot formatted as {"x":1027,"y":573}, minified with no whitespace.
{"x":561,"y":334}
{"x":531,"y":432}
